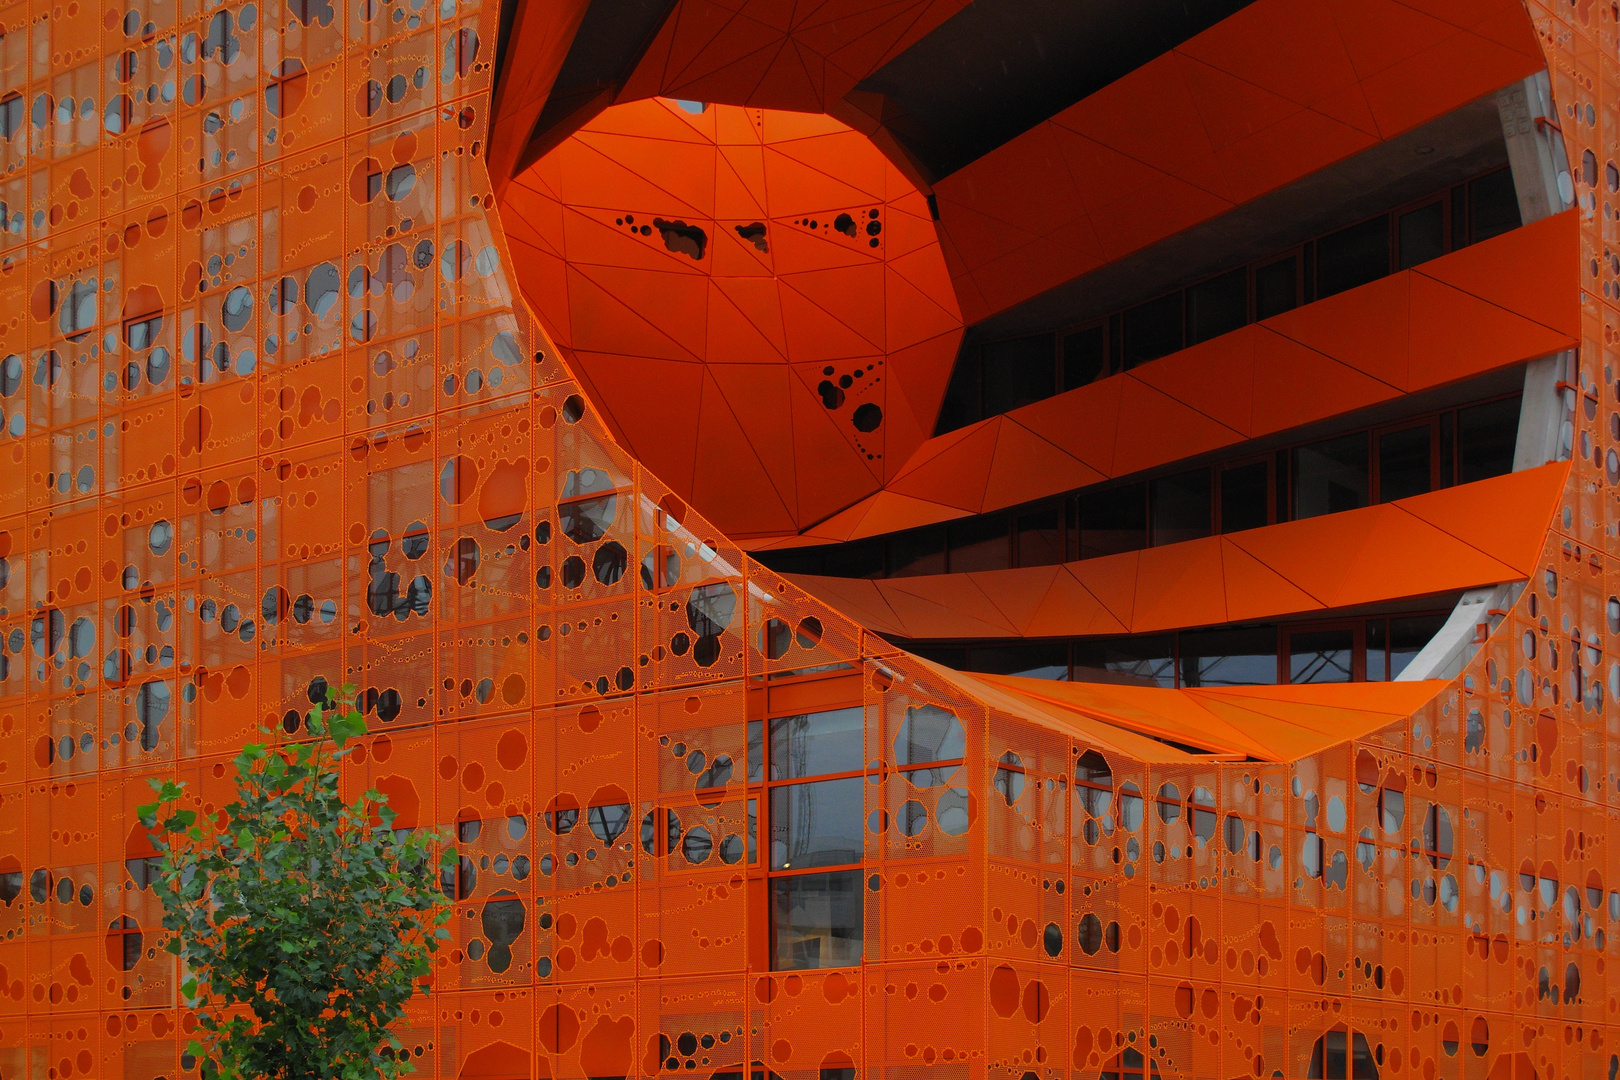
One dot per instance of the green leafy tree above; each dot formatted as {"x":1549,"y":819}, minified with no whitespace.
{"x":306,"y":924}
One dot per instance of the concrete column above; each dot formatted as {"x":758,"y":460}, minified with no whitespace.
{"x":1535,"y":147}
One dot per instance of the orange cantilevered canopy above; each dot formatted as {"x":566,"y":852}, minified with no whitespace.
{"x":1266,"y":723}
{"x":1442,"y":541}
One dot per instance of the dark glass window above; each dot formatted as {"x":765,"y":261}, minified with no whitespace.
{"x":819,"y":823}
{"x":1486,"y":435}
{"x":1407,"y":637}
{"x":1403,"y":462}
{"x":1046,"y":660}
{"x":1180,"y":506}
{"x":756,"y":751}
{"x":1040,"y":537}
{"x":1241,"y":656}
{"x":1352,"y":256}
{"x":792,"y":560}
{"x":815,"y":744}
{"x":951,"y":657}
{"x":1128,"y":1064}
{"x":1085,"y":356}
{"x":1321,"y":656}
{"x":1245,"y":497}
{"x":1330,"y":1062}
{"x":1330,"y":476}
{"x":1448,"y":449}
{"x":861,"y":559}
{"x":921,"y":551}
{"x":1459,"y":217}
{"x":979,"y":543}
{"x":1017,"y":372}
{"x":1377,"y":645}
{"x":816,"y":920}
{"x":1152,"y":330}
{"x":1493,"y":206}
{"x":143,"y":333}
{"x":1134,"y":661}
{"x":961,"y":405}
{"x":1421,"y":234}
{"x":1217,"y":306}
{"x":1113,"y":521}
{"x":1276,"y":287}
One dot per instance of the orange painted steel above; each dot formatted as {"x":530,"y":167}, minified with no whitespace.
{"x":1442,"y":541}
{"x":772,"y":54}
{"x":1263,"y":98}
{"x":274,"y":413}
{"x":540,"y":36}
{"x":771,"y":273}
{"x":1507,"y":300}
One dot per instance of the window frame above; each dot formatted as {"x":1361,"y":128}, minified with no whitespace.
{"x":759,"y":792}
{"x":1317,"y":1068}
{"x":1148,"y":499}
{"x":1358,"y":647}
{"x":1456,"y":203}
{"x":1375,"y":451}
{"x":1298,"y":254}
{"x":1398,"y":212}
{"x":1109,"y":366}
{"x":1221,"y":468}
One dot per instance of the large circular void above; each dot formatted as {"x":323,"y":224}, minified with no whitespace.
{"x":757,"y":298}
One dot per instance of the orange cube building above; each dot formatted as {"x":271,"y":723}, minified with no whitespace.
{"x":894,"y":539}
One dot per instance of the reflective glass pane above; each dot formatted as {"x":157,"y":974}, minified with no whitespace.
{"x":1152,"y":330}
{"x":816,"y":920}
{"x":1276,"y":287}
{"x":1245,"y":656}
{"x":1180,"y":507}
{"x":1217,"y":306}
{"x":1493,"y":206}
{"x":756,"y":751}
{"x":1330,"y":476}
{"x":1040,"y":537}
{"x":1408,"y":636}
{"x":1486,"y":435}
{"x":864,"y":559}
{"x":1334,"y":1041}
{"x":1018,"y":372}
{"x":1421,"y":234}
{"x":1047,"y":660}
{"x":815,"y":744}
{"x":1403,"y":463}
{"x":817,"y":824}
{"x":1133,"y":661}
{"x":979,"y":543}
{"x":1352,"y":256}
{"x":1321,"y":656}
{"x":921,"y":551}
{"x":928,"y":734}
{"x":1245,"y":497}
{"x":1113,"y":521}
{"x":1377,"y":643}
{"x":961,"y":406}
{"x":1085,"y":356}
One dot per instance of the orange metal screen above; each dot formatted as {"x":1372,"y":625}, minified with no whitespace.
{"x":271,"y":413}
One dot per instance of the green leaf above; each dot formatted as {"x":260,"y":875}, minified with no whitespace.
{"x":287,"y":905}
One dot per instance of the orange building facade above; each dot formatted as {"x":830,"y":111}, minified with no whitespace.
{"x":1191,"y":645}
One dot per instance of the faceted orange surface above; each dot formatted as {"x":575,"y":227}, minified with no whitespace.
{"x":771,"y":273}
{"x":274,"y":413}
